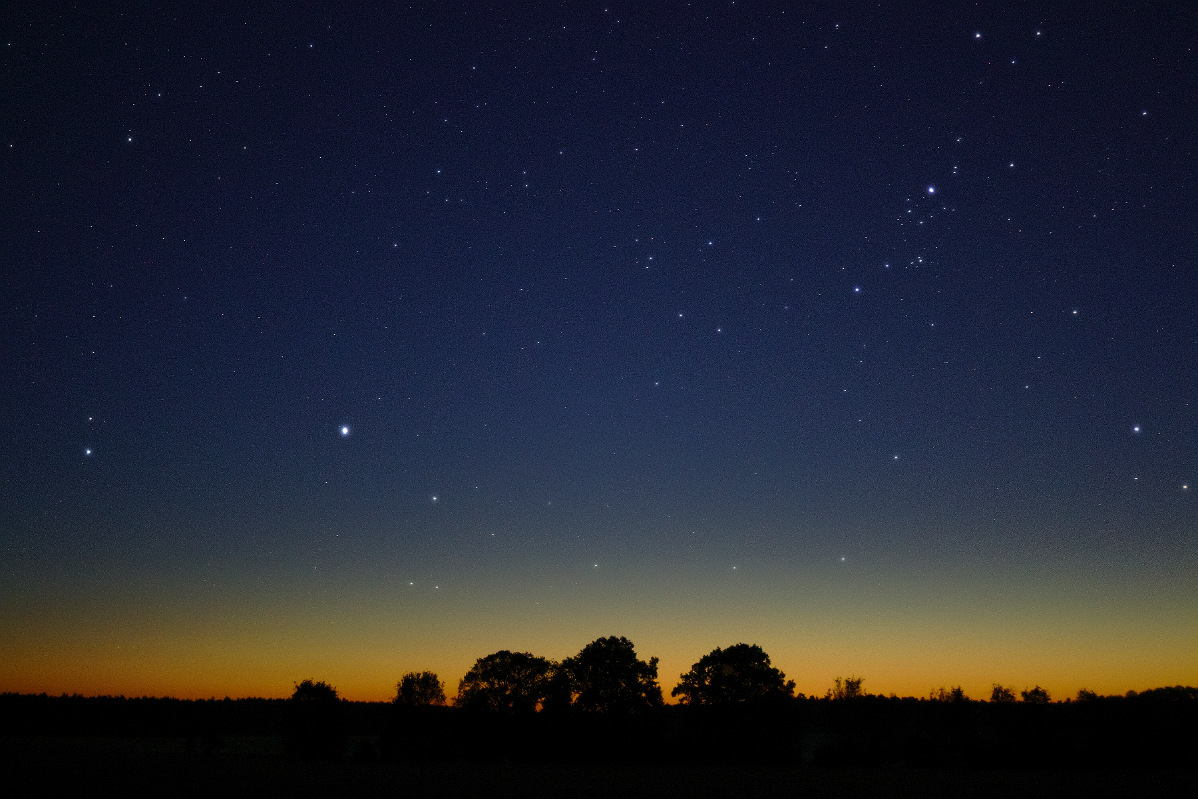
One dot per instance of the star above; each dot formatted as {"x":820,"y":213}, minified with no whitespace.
{"x":87,"y":451}
{"x":1135,"y":429}
{"x":344,"y":430}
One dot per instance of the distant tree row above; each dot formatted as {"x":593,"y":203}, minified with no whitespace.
{"x":606,"y":676}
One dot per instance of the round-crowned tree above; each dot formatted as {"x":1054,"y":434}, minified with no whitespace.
{"x":419,"y":689}
{"x":608,"y":677}
{"x":315,"y":721}
{"x":312,"y":692}
{"x":740,"y":673}
{"x":509,"y":682}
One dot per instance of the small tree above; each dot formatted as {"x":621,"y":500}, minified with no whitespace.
{"x":1036,"y":696}
{"x":1086,"y":695}
{"x":607,"y":676}
{"x":954,"y":694}
{"x":849,"y":688}
{"x":1001,"y":694}
{"x":316,"y":721}
{"x":421,"y":688}
{"x":506,"y":682}
{"x":740,"y":673}
{"x":312,"y":692}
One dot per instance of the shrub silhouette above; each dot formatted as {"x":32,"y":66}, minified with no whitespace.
{"x":506,"y":682}
{"x":419,"y":689}
{"x":740,"y":673}
{"x":607,"y":677}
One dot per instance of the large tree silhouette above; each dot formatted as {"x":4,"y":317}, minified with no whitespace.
{"x":509,"y":682}
{"x":608,"y":677}
{"x":740,"y":673}
{"x":421,"y":688}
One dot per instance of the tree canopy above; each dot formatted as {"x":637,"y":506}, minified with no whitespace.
{"x":420,"y":688}
{"x":313,"y":692}
{"x":1035,"y":696}
{"x":954,"y":694}
{"x":848,"y":688}
{"x":740,"y":673}
{"x":1001,"y":694}
{"x":607,"y":676}
{"x":512,"y":682}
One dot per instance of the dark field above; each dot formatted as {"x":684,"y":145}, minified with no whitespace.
{"x":257,"y":766}
{"x":1140,"y":746}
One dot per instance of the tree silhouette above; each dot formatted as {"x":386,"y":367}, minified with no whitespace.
{"x":954,"y":694}
{"x":1036,"y":696}
{"x":509,"y":682}
{"x":312,"y":692}
{"x":316,"y":721}
{"x":421,"y":688}
{"x":1002,"y":694}
{"x":740,"y":673}
{"x":606,"y":676}
{"x":850,"y":688}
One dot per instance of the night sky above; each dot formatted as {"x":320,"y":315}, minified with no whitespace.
{"x":341,"y":344}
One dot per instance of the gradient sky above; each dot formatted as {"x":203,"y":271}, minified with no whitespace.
{"x":340,"y":344}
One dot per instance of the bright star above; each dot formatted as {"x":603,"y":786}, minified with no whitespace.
{"x":87,"y":451}
{"x":1136,"y":429}
{"x":344,"y":430}
{"x":931,"y":189}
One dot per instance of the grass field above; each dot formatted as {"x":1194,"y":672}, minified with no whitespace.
{"x":258,"y":767}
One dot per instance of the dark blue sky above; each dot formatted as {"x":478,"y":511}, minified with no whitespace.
{"x":879,"y":302}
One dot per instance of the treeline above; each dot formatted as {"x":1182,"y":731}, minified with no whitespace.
{"x":1153,"y":729}
{"x":605,"y":705}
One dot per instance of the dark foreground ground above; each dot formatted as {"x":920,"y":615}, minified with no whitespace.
{"x":257,"y":767}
